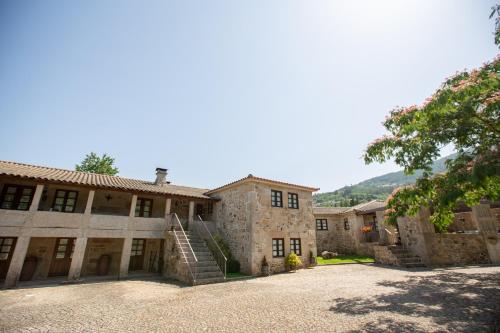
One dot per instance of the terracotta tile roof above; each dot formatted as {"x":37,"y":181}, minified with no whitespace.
{"x":368,"y":207}
{"x":251,"y":177}
{"x":95,"y":180}
{"x":329,"y":210}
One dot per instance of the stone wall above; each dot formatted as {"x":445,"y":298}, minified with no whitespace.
{"x":326,"y":240}
{"x":233,"y":218}
{"x":174,"y":266}
{"x":456,"y":249}
{"x":281,"y":222}
{"x":248,"y":222}
{"x":384,"y":256}
{"x":96,"y":247}
{"x":43,"y":249}
{"x":463,"y":222}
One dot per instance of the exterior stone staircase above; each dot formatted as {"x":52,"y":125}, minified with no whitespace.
{"x":404,"y":258}
{"x":205,"y":269}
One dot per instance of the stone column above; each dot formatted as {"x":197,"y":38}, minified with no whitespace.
{"x":191,"y":211}
{"x":486,"y":224}
{"x":90,"y":200}
{"x":168,"y":206}
{"x":36,"y":198}
{"x":383,"y":234}
{"x":76,"y":262}
{"x":125,"y":259}
{"x":132,"y":205}
{"x":16,"y":264}
{"x":168,"y":217}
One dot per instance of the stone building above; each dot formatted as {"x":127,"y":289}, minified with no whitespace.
{"x":472,"y":238}
{"x":348,"y":230}
{"x":260,"y":217}
{"x":65,"y":224}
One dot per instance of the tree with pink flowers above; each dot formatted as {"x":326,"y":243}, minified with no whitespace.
{"x":463,"y":112}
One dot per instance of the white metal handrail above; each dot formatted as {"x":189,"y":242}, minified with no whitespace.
{"x":212,"y":240}
{"x":188,"y":262}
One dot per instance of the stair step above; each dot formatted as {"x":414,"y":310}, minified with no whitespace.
{"x":209,"y":280}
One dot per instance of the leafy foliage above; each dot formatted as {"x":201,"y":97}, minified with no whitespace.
{"x":95,"y":164}
{"x":463,"y":112}
{"x":292,"y":261}
{"x":496,"y":10}
{"x":233,"y":265}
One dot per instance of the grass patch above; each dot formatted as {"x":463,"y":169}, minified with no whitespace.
{"x":345,"y":259}
{"x":236,"y":276}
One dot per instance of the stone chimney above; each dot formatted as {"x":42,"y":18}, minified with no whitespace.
{"x":161,"y":176}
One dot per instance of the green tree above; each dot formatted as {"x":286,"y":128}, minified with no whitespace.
{"x":463,"y":112}
{"x":95,"y":164}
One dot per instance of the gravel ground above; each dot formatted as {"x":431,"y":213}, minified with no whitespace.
{"x":347,"y":298}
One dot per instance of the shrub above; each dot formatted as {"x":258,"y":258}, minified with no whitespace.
{"x":292,"y":261}
{"x":223,"y":246}
{"x":233,"y":266}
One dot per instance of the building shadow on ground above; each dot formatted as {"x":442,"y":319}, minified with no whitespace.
{"x":460,"y":302}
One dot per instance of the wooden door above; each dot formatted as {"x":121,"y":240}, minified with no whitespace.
{"x":7,"y":245}
{"x":137,"y":255}
{"x":63,"y":252}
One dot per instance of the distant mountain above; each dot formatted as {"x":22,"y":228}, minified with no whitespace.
{"x":374,"y":188}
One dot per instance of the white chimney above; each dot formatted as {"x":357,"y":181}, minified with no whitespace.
{"x":161,"y":176}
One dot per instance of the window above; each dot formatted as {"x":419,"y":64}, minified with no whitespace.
{"x":137,"y":247}
{"x":346,"y":224}
{"x":143,"y":207}
{"x":65,"y":201}
{"x":17,"y":197}
{"x":210,"y":208}
{"x":293,"y":200}
{"x":278,"y":249}
{"x":321,"y":224}
{"x":295,"y":246}
{"x":6,"y":245}
{"x":65,"y":248}
{"x":276,"y":198}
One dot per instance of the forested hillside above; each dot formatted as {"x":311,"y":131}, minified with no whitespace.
{"x":374,"y":188}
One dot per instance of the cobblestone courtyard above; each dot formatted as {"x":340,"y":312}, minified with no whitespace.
{"x":347,"y":298}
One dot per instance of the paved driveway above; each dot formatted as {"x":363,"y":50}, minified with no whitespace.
{"x":348,"y":298}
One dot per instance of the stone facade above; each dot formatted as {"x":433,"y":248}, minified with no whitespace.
{"x":481,"y":245}
{"x":248,"y":222}
{"x":344,"y":234}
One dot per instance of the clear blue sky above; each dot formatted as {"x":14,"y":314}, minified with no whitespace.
{"x":214,"y":90}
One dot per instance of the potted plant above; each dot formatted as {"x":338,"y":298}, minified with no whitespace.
{"x":292,"y":261}
{"x":265,"y":267}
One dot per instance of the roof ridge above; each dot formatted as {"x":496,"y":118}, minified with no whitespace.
{"x":61,"y":169}
{"x":251,"y":176}
{"x":94,"y":177}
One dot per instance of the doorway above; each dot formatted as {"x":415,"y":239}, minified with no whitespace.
{"x":137,"y":255}
{"x":63,"y":253}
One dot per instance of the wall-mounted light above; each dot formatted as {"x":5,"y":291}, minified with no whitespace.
{"x":108,"y":197}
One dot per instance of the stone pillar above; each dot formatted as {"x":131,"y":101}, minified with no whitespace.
{"x":382,"y":228}
{"x":168,"y":205}
{"x":191,"y":211}
{"x":132,"y":205}
{"x":168,"y":217}
{"x":90,"y":200}
{"x":77,"y":260}
{"x":36,"y":198}
{"x":125,"y":259}
{"x":486,"y":224}
{"x":16,"y":264}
